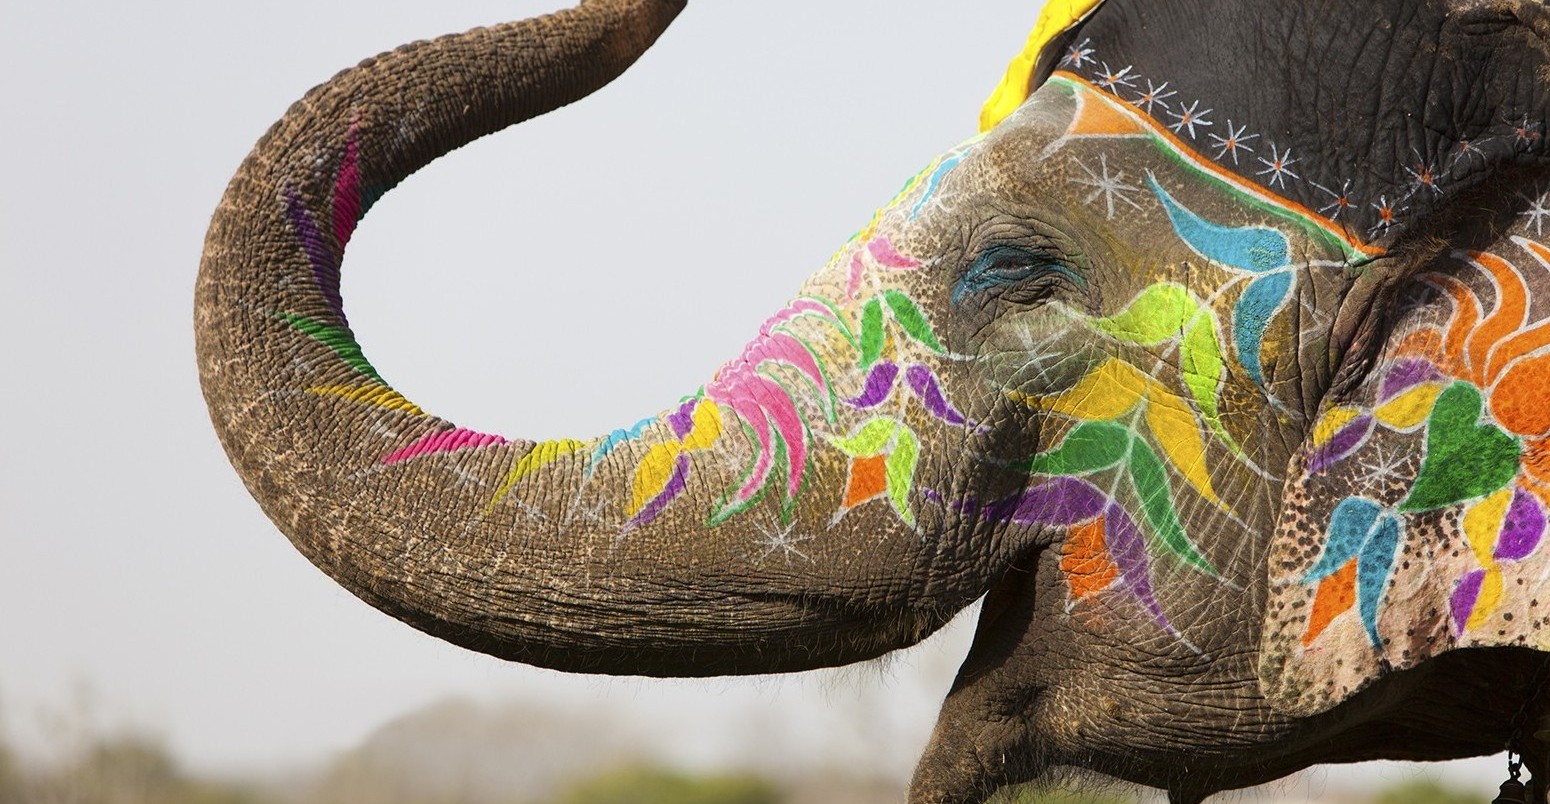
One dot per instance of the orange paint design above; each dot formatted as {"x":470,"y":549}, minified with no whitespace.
{"x":1518,"y":400}
{"x":1336,"y":594}
{"x":1084,"y":558}
{"x":1466,"y":315}
{"x":1536,"y":467}
{"x":1096,"y":118}
{"x":1210,"y":168}
{"x":1535,"y":477}
{"x":1496,"y":353}
{"x":1425,"y":343}
{"x":868,"y":480}
{"x":1507,"y":318}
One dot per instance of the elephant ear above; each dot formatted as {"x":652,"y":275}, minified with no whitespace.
{"x":1049,"y":45}
{"x":1415,"y":517}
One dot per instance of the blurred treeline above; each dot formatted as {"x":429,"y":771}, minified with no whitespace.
{"x":132,"y":768}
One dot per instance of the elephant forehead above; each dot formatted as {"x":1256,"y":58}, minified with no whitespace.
{"x":1078,"y":145}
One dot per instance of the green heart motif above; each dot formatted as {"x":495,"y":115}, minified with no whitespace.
{"x":1464,"y":458}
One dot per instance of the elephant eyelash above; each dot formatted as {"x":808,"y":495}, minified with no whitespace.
{"x":1007,"y":266}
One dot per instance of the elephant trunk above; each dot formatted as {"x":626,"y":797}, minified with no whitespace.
{"x":676,"y":547}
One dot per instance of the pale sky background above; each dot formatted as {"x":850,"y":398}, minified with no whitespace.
{"x":516,"y":286}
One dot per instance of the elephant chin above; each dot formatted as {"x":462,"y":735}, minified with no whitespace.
{"x":711,"y":539}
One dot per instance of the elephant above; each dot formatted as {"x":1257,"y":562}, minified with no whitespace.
{"x":1214,"y":363}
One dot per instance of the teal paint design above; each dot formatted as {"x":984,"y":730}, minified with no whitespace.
{"x":1256,"y":249}
{"x":1364,"y":530}
{"x":935,"y":181}
{"x":1374,"y":564}
{"x":1349,"y":525}
{"x":1260,"y":301}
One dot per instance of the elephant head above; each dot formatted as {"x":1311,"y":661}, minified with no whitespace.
{"x":1214,"y":361}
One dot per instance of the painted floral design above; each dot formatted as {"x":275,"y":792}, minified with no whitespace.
{"x":1470,"y":390}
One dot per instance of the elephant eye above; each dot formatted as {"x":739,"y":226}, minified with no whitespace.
{"x":1002,"y":265}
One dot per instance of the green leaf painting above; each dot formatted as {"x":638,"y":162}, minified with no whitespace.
{"x":912,"y":320}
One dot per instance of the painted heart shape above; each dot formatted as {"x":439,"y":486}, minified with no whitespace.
{"x":1464,"y":458}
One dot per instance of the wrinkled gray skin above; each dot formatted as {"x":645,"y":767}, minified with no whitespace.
{"x":1041,"y":688}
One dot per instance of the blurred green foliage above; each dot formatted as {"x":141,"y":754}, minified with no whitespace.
{"x":656,"y":786}
{"x":130,"y":769}
{"x":1034,"y":795}
{"x":1423,"y":791}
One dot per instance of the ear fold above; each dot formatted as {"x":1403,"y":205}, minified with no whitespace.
{"x":1416,"y":518}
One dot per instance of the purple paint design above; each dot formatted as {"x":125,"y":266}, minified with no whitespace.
{"x":1522,"y":528}
{"x":444,"y":441}
{"x":682,"y":420}
{"x":999,"y":511}
{"x":1344,"y":443}
{"x":1061,"y":501}
{"x":1066,"y":501}
{"x":926,"y":387}
{"x":677,"y":483}
{"x":347,"y":190}
{"x":1462,"y":603}
{"x":1128,"y":549}
{"x":1406,"y":374}
{"x":882,"y":250}
{"x":324,"y":271}
{"x":857,"y":268}
{"x":879,"y":384}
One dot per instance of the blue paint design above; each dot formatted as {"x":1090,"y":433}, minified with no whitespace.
{"x":1373,"y":566}
{"x":1256,"y":249}
{"x":935,"y":180}
{"x":1364,"y":530}
{"x":1002,"y":265}
{"x":1251,"y":317}
{"x":614,"y":439}
{"x":1349,"y":526}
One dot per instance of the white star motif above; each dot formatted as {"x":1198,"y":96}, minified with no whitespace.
{"x":382,"y":430}
{"x":1424,"y":175}
{"x":1384,"y":466}
{"x":1278,"y":166}
{"x":1526,"y":133}
{"x":1078,"y":54}
{"x":533,"y":512}
{"x":1339,"y":201}
{"x":1537,"y":213}
{"x":1233,"y":142}
{"x":781,"y":541}
{"x":591,"y":513}
{"x":1111,"y":79}
{"x":1387,"y":215}
{"x":1189,"y":118}
{"x":465,"y":478}
{"x":1154,"y":96}
{"x":1109,"y":187}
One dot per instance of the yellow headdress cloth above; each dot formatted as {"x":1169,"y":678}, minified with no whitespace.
{"x":1058,"y":16}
